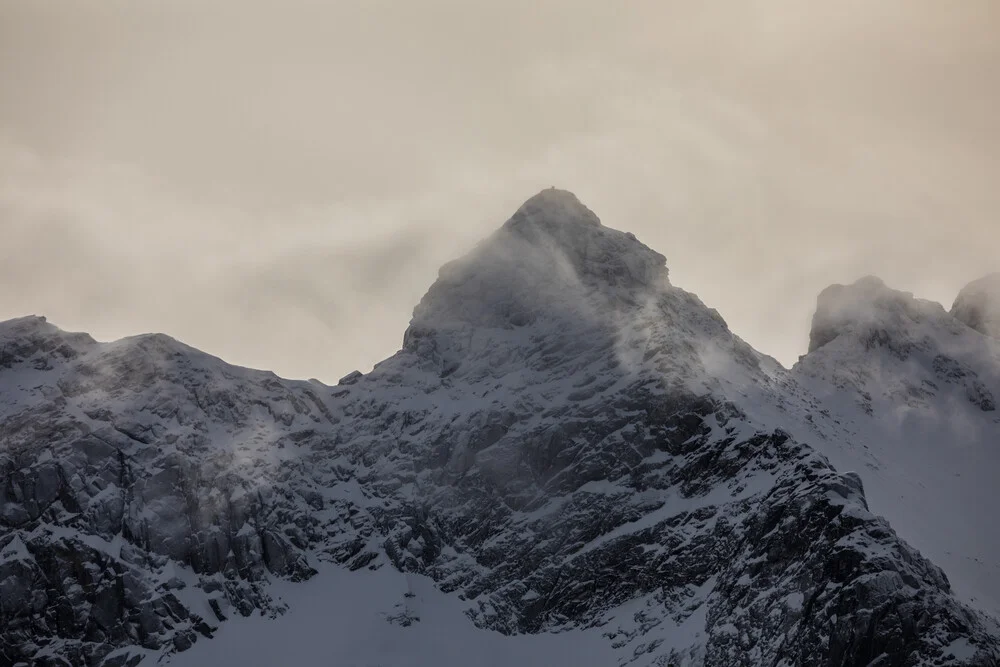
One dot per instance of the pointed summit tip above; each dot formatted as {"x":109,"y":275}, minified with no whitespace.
{"x":553,"y":206}
{"x":558,"y":224}
{"x":554,"y":197}
{"x":552,"y":260}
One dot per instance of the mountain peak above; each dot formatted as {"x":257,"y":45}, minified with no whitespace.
{"x":553,"y":207}
{"x":865,"y":306}
{"x":978,"y":305}
{"x":21,"y":326}
{"x":26,"y":337}
{"x":562,"y":229}
{"x":567,"y":447}
{"x":552,"y":260}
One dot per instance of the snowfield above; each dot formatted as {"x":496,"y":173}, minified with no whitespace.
{"x":363,"y":619}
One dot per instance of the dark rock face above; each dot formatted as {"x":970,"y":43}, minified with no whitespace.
{"x":848,"y":591}
{"x":92,"y":601}
{"x":553,"y":443}
{"x":100,"y":501}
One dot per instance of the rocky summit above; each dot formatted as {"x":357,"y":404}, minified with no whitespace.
{"x":978,"y":305}
{"x":567,"y":445}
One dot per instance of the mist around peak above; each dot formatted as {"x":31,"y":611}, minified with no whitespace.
{"x":551,"y":267}
{"x":978,"y":305}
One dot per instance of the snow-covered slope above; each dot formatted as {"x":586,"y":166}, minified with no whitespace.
{"x":383,"y":617}
{"x":567,"y":450}
{"x":917,"y":389}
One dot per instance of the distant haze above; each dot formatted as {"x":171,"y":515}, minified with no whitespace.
{"x":277,"y":183}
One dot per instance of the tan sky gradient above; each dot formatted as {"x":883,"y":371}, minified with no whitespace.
{"x":277,"y":183}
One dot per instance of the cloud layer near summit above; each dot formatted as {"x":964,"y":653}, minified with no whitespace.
{"x":278,"y":183}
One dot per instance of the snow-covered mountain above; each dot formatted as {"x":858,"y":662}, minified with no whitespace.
{"x":916,"y":388}
{"x":570,"y":461}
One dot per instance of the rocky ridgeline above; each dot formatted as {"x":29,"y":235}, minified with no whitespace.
{"x":927,"y":351}
{"x":554,"y":441}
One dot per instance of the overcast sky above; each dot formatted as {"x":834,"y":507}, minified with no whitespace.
{"x":278,"y":183}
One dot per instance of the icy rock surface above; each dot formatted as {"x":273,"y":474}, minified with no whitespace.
{"x":565,"y":442}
